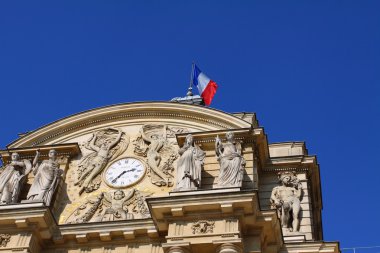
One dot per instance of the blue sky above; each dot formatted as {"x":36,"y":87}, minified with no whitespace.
{"x":309,"y":69}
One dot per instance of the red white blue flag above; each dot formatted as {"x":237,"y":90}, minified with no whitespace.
{"x":207,"y":87}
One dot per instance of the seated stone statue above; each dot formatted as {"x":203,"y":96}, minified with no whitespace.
{"x":12,"y":179}
{"x":47,"y":176}
{"x":286,"y":198}
{"x":189,"y":166}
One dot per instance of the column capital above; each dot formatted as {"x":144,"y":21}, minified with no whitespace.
{"x":228,"y":248}
{"x":178,"y":249}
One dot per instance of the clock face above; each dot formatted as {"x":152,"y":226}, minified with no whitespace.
{"x":124,"y":172}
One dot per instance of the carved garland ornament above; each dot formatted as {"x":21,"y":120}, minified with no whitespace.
{"x":203,"y":227}
{"x":4,"y":239}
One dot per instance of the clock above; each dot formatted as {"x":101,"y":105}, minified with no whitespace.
{"x":124,"y":172}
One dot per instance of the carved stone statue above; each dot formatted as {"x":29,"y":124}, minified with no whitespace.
{"x":12,"y":179}
{"x":189,"y":165}
{"x":287,"y":200}
{"x":106,"y":144}
{"x":47,"y":176}
{"x":231,"y":161}
{"x":153,"y":144}
{"x":115,"y":202}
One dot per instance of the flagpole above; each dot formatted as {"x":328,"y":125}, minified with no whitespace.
{"x":190,"y":90}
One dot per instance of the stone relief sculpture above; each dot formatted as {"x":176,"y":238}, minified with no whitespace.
{"x":111,"y":206}
{"x":203,"y":227}
{"x":172,"y":131}
{"x":231,"y":161}
{"x":114,"y":202}
{"x":152,"y":143}
{"x":47,"y":176}
{"x":189,"y":166}
{"x":89,"y":208}
{"x":138,"y":204}
{"x":4,"y":239}
{"x":12,"y":179}
{"x":105,"y":145}
{"x":286,"y":198}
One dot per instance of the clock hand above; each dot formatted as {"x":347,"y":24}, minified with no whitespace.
{"x":116,"y":178}
{"x":122,"y":173}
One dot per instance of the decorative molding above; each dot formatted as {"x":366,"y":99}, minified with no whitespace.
{"x":240,"y":139}
{"x":229,"y":235}
{"x":243,"y":135}
{"x":63,"y":150}
{"x":281,"y":169}
{"x":128,"y":115}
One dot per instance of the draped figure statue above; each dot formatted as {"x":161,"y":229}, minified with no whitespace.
{"x":12,"y":179}
{"x":231,"y":162}
{"x":47,"y":176}
{"x":189,"y":166}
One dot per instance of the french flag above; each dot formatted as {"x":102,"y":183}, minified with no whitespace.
{"x":207,"y":87}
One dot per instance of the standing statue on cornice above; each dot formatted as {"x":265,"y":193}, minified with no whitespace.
{"x":286,"y":198}
{"x":47,"y":176}
{"x":153,"y":144}
{"x":189,"y":165}
{"x":12,"y":179}
{"x":231,"y":161}
{"x":106,"y":145}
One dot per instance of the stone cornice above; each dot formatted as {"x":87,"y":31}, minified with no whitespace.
{"x":318,"y":246}
{"x":105,"y":231}
{"x":215,"y":119}
{"x":246,"y":135}
{"x":67,"y":149}
{"x":38,"y":218}
{"x":229,"y":204}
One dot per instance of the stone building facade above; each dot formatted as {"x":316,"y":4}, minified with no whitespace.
{"x":159,"y":177}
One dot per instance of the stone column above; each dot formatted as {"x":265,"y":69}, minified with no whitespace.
{"x":178,"y":249}
{"x":228,"y":248}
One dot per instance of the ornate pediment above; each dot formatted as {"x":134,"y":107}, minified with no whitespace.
{"x":168,"y":175}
